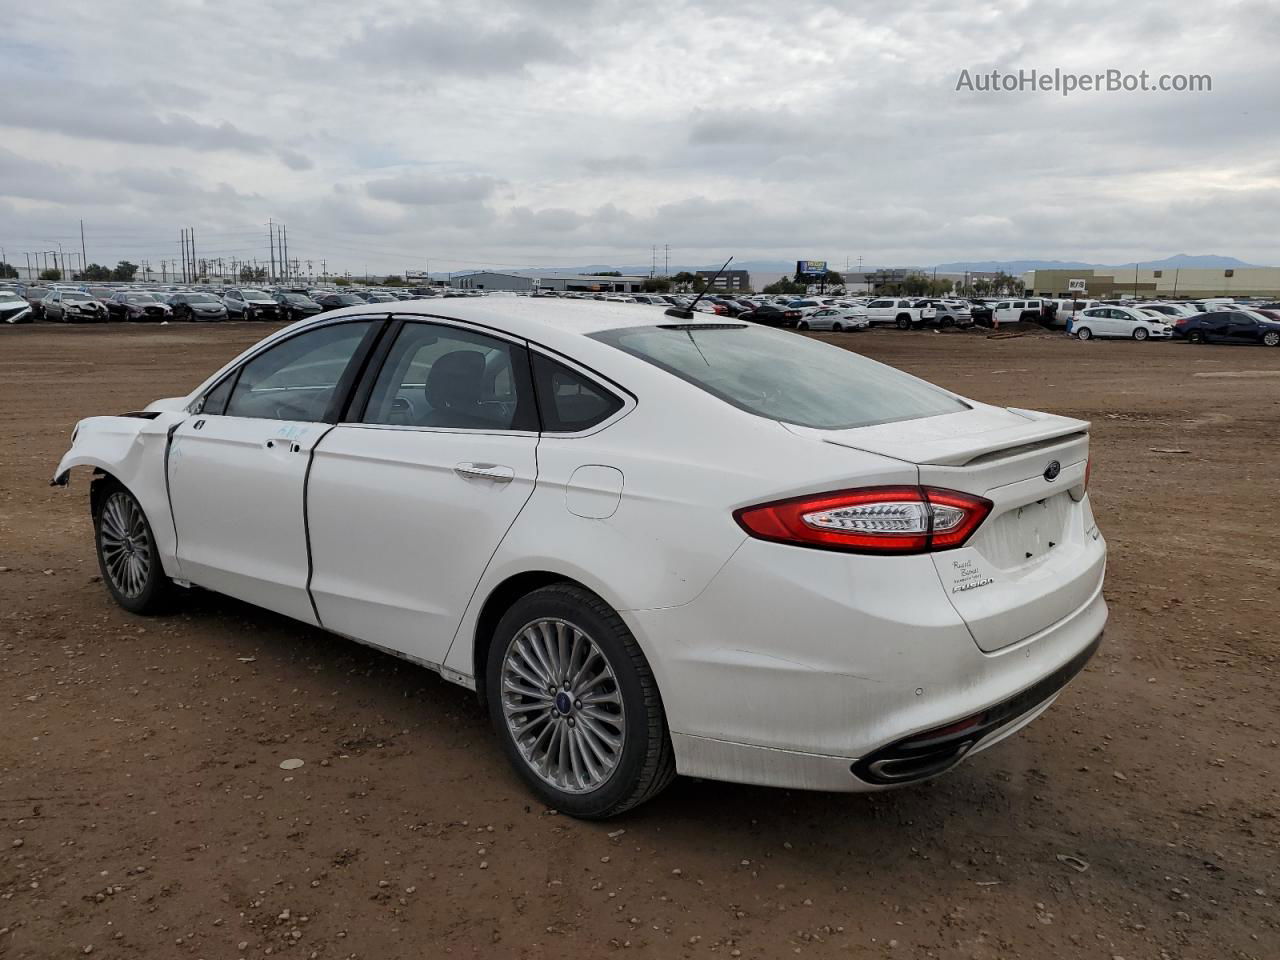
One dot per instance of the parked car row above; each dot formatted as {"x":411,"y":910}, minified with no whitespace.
{"x":1259,"y":325}
{"x":68,"y":303}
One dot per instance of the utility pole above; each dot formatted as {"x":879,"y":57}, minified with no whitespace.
{"x":84,"y":259}
{"x":666,"y":259}
{"x":195,"y":270}
{"x":324,"y":267}
{"x":271,"y":239}
{"x":284,"y":250}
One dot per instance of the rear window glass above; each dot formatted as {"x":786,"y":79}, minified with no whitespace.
{"x":784,"y":377}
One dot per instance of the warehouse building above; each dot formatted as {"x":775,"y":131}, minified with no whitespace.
{"x":1177,"y":283}
{"x":727,"y":281}
{"x":490,"y":281}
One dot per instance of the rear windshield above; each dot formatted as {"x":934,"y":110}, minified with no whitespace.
{"x":785,"y":377}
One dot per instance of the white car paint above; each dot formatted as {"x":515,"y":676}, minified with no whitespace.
{"x":1112,"y":321}
{"x":831,"y":318}
{"x":900,"y":311}
{"x":777,"y":663}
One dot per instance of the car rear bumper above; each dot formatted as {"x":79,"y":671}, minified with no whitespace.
{"x":792,"y":671}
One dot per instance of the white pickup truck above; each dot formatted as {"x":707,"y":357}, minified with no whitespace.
{"x":902,"y":312}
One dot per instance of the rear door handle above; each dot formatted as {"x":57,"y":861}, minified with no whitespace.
{"x":485,"y":471}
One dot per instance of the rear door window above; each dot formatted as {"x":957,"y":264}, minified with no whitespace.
{"x":568,"y":401}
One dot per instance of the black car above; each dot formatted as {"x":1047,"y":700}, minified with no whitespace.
{"x":1229,"y":326}
{"x":983,"y":315}
{"x":197,"y":306}
{"x":336,"y":301}
{"x":296,"y":306}
{"x":770,"y":315}
{"x":249,"y":303}
{"x":137,"y":306}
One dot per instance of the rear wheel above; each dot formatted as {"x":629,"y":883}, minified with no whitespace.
{"x":1084,"y":333}
{"x":802,"y":325}
{"x":575,"y":704}
{"x":1141,"y":333}
{"x":904,"y":322}
{"x":1195,"y":336}
{"x":127,"y":554}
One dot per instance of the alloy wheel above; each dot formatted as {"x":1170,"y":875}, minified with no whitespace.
{"x":562,"y":705}
{"x":126,"y":544}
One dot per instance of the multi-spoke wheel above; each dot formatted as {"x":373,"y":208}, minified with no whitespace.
{"x":563,"y":709}
{"x":575,"y":703}
{"x":127,"y":552}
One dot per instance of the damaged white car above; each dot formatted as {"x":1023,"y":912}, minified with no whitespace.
{"x":652,"y":544}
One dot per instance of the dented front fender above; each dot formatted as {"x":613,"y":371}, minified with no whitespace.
{"x":132,"y":448}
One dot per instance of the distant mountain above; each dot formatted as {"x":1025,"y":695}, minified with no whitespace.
{"x":1203,"y":261}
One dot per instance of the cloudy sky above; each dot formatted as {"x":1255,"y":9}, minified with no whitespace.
{"x":387,"y":134}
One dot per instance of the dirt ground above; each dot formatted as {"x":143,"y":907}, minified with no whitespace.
{"x":143,"y":812}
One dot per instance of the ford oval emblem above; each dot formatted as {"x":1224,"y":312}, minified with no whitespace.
{"x":1052,"y":470}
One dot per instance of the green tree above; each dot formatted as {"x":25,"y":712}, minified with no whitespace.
{"x":656,"y":285}
{"x":124,"y":271}
{"x":393,"y":281}
{"x":95,"y":271}
{"x":605,"y":273}
{"x":7,"y":271}
{"x":52,"y":274}
{"x":341,"y":282}
{"x":253,"y":274}
{"x":785,"y":286}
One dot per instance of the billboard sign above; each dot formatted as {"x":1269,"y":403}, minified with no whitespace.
{"x":1077,"y":286}
{"x":811,"y":268}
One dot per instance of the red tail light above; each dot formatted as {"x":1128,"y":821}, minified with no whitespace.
{"x":870,"y":520}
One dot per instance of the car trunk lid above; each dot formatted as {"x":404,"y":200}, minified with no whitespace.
{"x":1037,"y":557}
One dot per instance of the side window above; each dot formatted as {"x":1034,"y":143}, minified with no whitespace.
{"x":567,"y":400}
{"x":215,"y":401}
{"x":297,"y":379}
{"x":449,"y":377}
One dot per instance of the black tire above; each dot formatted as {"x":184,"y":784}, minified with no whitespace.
{"x":1271,"y":339}
{"x":904,"y":321}
{"x":1195,"y":336}
{"x":1083,"y":333}
{"x":836,"y":327}
{"x":1141,"y":333}
{"x":802,"y":325}
{"x":946,"y":322}
{"x":155,"y":589}
{"x":646,"y":762}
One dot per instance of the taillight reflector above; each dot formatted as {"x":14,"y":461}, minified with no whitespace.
{"x":870,"y":519}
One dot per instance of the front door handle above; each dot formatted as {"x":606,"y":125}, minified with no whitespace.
{"x":485,"y":471}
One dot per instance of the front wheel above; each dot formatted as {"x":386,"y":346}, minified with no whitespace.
{"x":1084,"y":333}
{"x":575,"y":704}
{"x":1141,"y":333}
{"x":127,"y":554}
{"x":1271,"y":339}
{"x":837,"y":327}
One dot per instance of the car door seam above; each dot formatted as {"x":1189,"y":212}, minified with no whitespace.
{"x":168,"y":490}
{"x":306,"y":520}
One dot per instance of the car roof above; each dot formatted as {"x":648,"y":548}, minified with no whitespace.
{"x":542,"y":321}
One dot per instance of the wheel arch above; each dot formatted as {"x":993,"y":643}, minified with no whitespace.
{"x":499,"y":600}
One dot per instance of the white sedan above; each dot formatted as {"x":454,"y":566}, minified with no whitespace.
{"x":1115,"y":321}
{"x":651,"y":544}
{"x":836,"y":318}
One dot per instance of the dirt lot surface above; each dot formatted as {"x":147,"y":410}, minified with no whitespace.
{"x":143,"y":812}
